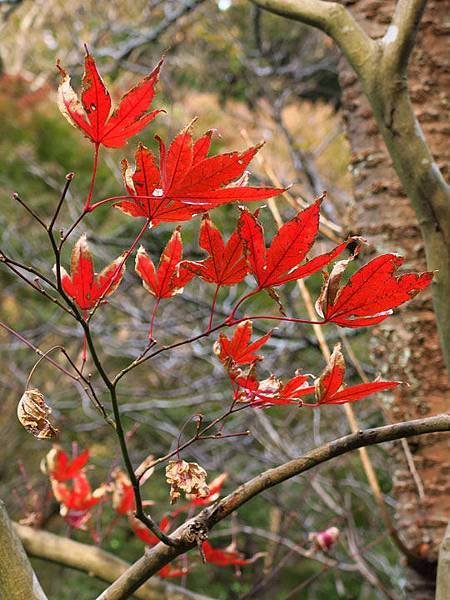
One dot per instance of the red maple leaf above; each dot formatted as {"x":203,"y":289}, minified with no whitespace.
{"x":80,"y":496}
{"x":223,"y":558}
{"x":370,"y":294}
{"x":280,"y":263}
{"x":226,"y":264}
{"x":84,"y":286}
{"x":169,"y":278}
{"x":214,"y":491}
{"x":144,"y":532}
{"x":60,"y":468}
{"x":271,"y":391}
{"x":92,"y":113}
{"x":186,"y":181}
{"x":171,"y":571}
{"x":123,"y":500}
{"x":330,"y":387}
{"x":238,"y":350}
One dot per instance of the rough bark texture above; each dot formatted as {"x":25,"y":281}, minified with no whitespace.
{"x":443,"y":576}
{"x":407,"y":344}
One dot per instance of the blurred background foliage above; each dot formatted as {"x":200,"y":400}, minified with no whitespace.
{"x":252,"y":76}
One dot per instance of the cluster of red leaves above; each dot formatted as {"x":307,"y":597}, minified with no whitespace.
{"x":183,"y":182}
{"x":329,"y":387}
{"x":77,"y":498}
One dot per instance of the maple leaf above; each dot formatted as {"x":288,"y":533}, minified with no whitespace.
{"x":144,"y":533}
{"x":223,"y":558}
{"x":330,"y":387}
{"x":123,"y":500}
{"x":92,"y":113}
{"x":214,"y":491}
{"x":186,"y":181}
{"x":84,"y":286}
{"x":169,"y":278}
{"x":58,"y":465}
{"x":226,"y":264}
{"x":370,"y":294}
{"x":271,"y":391}
{"x":171,"y":571}
{"x":80,"y":496}
{"x":238,"y":350}
{"x":280,"y":263}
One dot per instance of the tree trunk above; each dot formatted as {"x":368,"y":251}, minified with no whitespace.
{"x":17,"y":578}
{"x":406,"y":346}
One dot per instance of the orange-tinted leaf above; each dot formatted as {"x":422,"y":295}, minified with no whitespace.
{"x":92,"y":114}
{"x":226,"y":264}
{"x":189,"y":182}
{"x":84,"y":286}
{"x":168,"y":279}
{"x":280,"y":263}
{"x":371,"y":293}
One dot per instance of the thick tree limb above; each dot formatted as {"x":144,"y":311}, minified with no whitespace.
{"x":94,"y":561}
{"x":17,"y":578}
{"x":189,"y":532}
{"x":400,"y":36}
{"x":334,"y":20}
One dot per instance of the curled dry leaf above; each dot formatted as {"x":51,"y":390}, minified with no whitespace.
{"x":186,"y":477}
{"x":33,"y":412}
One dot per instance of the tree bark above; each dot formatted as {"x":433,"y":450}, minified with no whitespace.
{"x":443,"y":575}
{"x":406,"y":346}
{"x":17,"y":578}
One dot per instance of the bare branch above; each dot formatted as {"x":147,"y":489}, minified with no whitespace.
{"x":95,"y":561}
{"x":161,"y":555}
{"x":400,"y":36}
{"x":334,"y":20}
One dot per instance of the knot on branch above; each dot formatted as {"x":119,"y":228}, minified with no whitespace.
{"x":195,"y":533}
